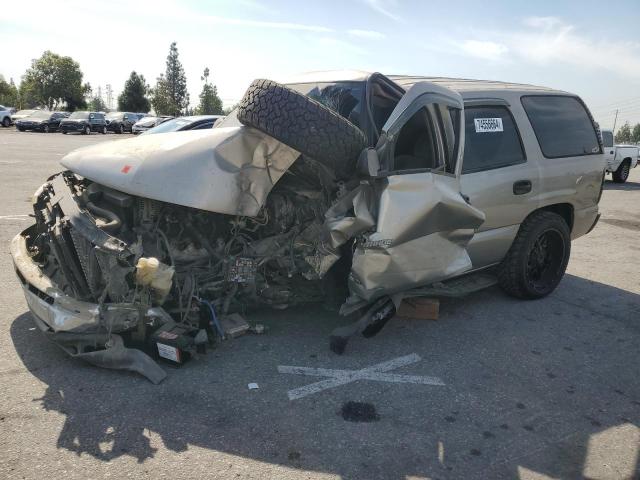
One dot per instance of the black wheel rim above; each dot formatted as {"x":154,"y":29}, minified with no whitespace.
{"x":544,"y":262}
{"x":625,"y":171}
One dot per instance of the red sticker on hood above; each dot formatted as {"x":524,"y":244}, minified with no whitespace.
{"x":126,"y":169}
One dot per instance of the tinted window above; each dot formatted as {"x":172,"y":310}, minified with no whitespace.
{"x":491,"y":139}
{"x":607,"y":139}
{"x":562,"y":126}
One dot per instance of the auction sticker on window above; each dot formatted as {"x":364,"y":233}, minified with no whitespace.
{"x":484,"y":125}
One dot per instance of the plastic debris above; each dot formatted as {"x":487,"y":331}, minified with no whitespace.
{"x":253,"y":386}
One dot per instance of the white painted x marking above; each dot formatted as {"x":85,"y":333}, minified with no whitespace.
{"x":343,"y":377}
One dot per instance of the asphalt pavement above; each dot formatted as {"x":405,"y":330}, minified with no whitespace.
{"x":495,"y":388}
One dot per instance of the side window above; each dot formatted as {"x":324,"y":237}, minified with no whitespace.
{"x":607,"y":139}
{"x":203,"y":126}
{"x":491,"y":139}
{"x":428,"y":140}
{"x":562,"y":125}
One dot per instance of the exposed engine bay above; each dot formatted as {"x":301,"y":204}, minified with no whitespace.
{"x":187,"y":259}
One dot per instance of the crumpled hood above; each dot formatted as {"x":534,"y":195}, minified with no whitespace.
{"x":224,"y":170}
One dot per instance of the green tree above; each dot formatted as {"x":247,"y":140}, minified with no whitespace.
{"x":210,"y":102}
{"x":635,"y":134}
{"x":96,"y":104}
{"x":8,"y":93}
{"x":624,"y":134}
{"x":161,"y":98}
{"x":134,"y":95}
{"x":54,"y":81}
{"x":176,"y":81}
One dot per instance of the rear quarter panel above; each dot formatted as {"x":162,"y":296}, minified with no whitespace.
{"x":572,"y":180}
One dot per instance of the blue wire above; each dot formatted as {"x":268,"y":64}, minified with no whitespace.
{"x":214,"y":318}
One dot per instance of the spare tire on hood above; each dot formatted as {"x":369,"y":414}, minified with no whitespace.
{"x":304,"y":124}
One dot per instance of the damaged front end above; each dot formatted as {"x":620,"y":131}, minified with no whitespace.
{"x":101,"y":264}
{"x":154,"y":242}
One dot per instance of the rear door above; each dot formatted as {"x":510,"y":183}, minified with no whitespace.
{"x":423,"y":222}
{"x":497,"y":177}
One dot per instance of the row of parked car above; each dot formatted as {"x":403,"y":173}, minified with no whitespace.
{"x":86,"y":122}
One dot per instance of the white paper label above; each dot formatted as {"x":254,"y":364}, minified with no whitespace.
{"x":168,"y":352}
{"x":484,"y":125}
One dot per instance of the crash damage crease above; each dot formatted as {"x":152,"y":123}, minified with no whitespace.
{"x":227,"y":217}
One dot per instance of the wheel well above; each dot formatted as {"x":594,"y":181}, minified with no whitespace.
{"x":627,"y":159}
{"x":565,"y":210}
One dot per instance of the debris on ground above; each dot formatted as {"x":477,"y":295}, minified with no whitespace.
{"x":258,"y":329}
{"x":234,"y":325}
{"x":419,"y":308}
{"x":253,"y":386}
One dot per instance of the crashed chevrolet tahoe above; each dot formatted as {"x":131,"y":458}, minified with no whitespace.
{"x":355,"y":189}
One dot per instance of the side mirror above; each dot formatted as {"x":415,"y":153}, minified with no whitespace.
{"x":368,"y":163}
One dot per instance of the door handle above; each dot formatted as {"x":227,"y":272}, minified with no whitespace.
{"x":521,"y":187}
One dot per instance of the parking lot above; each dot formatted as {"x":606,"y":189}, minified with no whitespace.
{"x":539,"y":389}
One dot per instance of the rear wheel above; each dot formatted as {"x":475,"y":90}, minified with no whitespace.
{"x":21,"y":129}
{"x":45,"y":129}
{"x":121,"y":128}
{"x":104,"y":129}
{"x":6,"y":121}
{"x":622,"y":173}
{"x":87,"y":130}
{"x":537,"y":258}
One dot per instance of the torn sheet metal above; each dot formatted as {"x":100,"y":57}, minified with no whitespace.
{"x":423,"y":226}
{"x":225,"y":170}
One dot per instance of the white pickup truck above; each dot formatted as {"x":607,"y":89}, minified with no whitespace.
{"x":620,"y":158}
{"x":5,"y":116}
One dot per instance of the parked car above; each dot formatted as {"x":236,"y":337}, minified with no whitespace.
{"x":180,"y":124}
{"x":357,"y":187}
{"x":20,"y":114}
{"x":620,"y":158}
{"x":147,"y":123}
{"x":84,"y":122}
{"x":5,"y":116}
{"x":42,"y":121}
{"x":120,"y":122}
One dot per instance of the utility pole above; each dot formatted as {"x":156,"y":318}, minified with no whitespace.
{"x":109,"y":96}
{"x":614,"y":123}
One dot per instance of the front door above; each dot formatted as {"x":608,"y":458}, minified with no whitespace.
{"x":423,"y":222}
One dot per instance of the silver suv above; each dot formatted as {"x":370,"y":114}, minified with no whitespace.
{"x":359,"y":188}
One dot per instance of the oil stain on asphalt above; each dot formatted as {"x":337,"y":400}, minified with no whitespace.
{"x":359,"y":412}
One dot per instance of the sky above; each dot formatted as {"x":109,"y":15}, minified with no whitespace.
{"x":588,"y":48}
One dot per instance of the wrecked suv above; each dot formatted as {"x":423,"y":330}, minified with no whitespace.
{"x":354,"y":189}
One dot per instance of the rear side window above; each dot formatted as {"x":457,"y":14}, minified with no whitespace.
{"x":491,"y":139}
{"x":562,"y":125}
{"x":607,"y":139}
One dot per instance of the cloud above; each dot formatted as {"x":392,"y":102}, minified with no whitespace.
{"x":549,"y":41}
{"x":259,"y":23}
{"x":384,"y":7}
{"x":484,"y":49}
{"x":369,"y":34}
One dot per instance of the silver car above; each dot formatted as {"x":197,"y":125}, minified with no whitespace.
{"x":358,"y":190}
